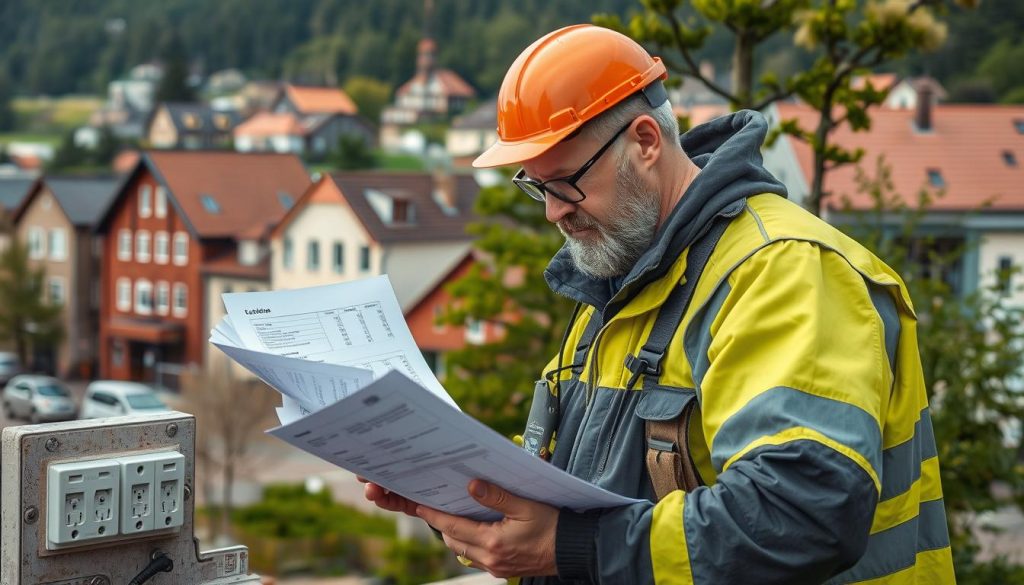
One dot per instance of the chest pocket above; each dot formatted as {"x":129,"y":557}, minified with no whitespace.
{"x":667,"y":414}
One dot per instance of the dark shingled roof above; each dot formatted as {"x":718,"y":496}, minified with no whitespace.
{"x":431,"y":222}
{"x":84,"y":200}
{"x":13,"y":191}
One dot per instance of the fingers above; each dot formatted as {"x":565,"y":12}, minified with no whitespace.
{"x":497,"y":498}
{"x":386,"y":500}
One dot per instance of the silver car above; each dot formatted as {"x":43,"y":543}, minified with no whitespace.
{"x":38,"y":399}
{"x":10,"y":366}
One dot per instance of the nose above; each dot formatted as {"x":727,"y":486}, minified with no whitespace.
{"x":555,"y":209}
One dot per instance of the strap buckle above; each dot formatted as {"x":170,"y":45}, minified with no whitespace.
{"x":645,"y":362}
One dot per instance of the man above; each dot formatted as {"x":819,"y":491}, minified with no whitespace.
{"x":787,"y":351}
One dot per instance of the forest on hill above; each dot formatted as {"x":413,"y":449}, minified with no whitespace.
{"x":54,"y":47}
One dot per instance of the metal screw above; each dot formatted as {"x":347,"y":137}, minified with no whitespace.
{"x":172,"y":429}
{"x":31,"y":515}
{"x":188,"y":492}
{"x":99,"y":580}
{"x":52,"y":444}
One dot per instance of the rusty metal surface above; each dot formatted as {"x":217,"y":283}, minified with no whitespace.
{"x":26,"y":452}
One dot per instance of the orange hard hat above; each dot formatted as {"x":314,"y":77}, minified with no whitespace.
{"x":561,"y":81}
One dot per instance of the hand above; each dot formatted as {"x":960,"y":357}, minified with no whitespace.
{"x":522,"y":544}
{"x":386,"y":500}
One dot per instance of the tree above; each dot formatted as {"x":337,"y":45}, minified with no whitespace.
{"x":845,"y":38}
{"x":26,"y":318}
{"x":370,"y":95}
{"x":174,"y":85}
{"x":353,"y":153}
{"x":494,"y":381}
{"x":6,"y":112}
{"x":230,"y":415}
{"x":972,"y":354}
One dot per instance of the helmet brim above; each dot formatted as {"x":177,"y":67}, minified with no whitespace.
{"x":503,"y":153}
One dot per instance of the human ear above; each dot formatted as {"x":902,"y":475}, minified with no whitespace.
{"x":647,"y":135}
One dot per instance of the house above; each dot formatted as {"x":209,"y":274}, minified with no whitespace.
{"x":968,"y":155}
{"x":902,"y":93}
{"x":432,"y":94}
{"x":435,"y":340}
{"x":311,"y":101}
{"x":129,"y":102}
{"x":183,"y":228}
{"x":472,"y":133}
{"x":190,"y":126}
{"x":410,"y":226}
{"x":55,"y":222}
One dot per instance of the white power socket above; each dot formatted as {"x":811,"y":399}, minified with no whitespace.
{"x":82,"y":501}
{"x":152,"y":488}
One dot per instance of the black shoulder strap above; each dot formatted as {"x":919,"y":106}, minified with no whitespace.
{"x":647,"y":361}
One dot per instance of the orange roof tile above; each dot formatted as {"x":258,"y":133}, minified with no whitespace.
{"x":451,"y":84}
{"x":245,"y":188}
{"x":878,"y":81}
{"x":321,"y":100}
{"x":968,"y":146}
{"x":265,"y":124}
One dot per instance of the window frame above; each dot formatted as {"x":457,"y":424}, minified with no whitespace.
{"x":143,"y":290}
{"x":179,"y":291}
{"x":145,"y":200}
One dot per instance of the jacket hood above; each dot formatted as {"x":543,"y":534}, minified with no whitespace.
{"x":728,"y":152}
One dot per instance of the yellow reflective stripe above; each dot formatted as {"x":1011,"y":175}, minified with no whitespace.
{"x":806,"y":434}
{"x":903,"y":507}
{"x":932,"y":567}
{"x":670,"y":558}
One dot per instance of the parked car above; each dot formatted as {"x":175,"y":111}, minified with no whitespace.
{"x":38,"y":399}
{"x":10,"y":366}
{"x":116,"y":398}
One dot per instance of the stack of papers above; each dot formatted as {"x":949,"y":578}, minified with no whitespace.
{"x":357,"y":393}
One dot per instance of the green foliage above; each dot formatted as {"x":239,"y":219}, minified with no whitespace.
{"x":290,"y":511}
{"x":1002,"y":65}
{"x":70,"y":157}
{"x":353,"y":153}
{"x":843,"y":38}
{"x":972,"y":354}
{"x":174,"y":85}
{"x":410,"y":562}
{"x":6,"y":111}
{"x":370,"y":96}
{"x":494,"y":381}
{"x":26,"y":318}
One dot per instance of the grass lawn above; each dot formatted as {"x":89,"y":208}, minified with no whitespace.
{"x":54,"y":115}
{"x":51,"y":139}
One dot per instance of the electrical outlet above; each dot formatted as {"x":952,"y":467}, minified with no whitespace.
{"x":80,"y":501}
{"x":153,"y":488}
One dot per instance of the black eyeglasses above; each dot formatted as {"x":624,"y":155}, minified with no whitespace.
{"x":563,"y":188}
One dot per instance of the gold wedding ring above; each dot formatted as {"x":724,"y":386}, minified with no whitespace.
{"x":463,"y":560}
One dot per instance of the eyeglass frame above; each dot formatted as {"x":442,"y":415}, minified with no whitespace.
{"x":525,"y":183}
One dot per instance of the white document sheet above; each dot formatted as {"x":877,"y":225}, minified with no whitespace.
{"x":358,"y":324}
{"x":397,"y":434}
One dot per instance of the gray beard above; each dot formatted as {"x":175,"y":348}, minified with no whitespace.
{"x":626,"y":235}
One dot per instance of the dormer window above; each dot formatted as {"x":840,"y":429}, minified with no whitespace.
{"x":401,"y":211}
{"x":191,"y":120}
{"x":391,"y":208}
{"x":221,"y":121}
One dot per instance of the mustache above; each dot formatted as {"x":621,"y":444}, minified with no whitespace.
{"x":577,"y":221}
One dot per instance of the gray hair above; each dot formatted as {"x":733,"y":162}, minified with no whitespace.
{"x":606,"y":124}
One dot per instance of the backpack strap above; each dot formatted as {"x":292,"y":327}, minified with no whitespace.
{"x":669,"y":463}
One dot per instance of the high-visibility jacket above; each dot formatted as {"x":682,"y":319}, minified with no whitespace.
{"x":813,"y":438}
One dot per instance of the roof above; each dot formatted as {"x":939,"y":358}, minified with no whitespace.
{"x":968,"y":147}
{"x":83,"y":200}
{"x":431,"y":223}
{"x":484,"y":117}
{"x":209,"y":120}
{"x":271,"y":124}
{"x":451,"y":84}
{"x":320,"y":100}
{"x":877,"y":81}
{"x":13,"y":190}
{"x":246,"y":188}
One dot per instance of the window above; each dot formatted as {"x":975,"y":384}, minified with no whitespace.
{"x":1019,"y":125}
{"x":117,"y":354}
{"x":285,"y":199}
{"x":1009,"y":158}
{"x":124,"y":294}
{"x":145,"y":201}
{"x":180,"y":299}
{"x":364,"y":258}
{"x":142,"y":246}
{"x":287,"y":254}
{"x":124,"y":245}
{"x":209,"y":203}
{"x":180,"y":248}
{"x":191,"y":120}
{"x":338,"y":258}
{"x":1005,"y":275}
{"x":57,"y":244}
{"x":36,"y":245}
{"x":143,"y":297}
{"x":935,"y":178}
{"x":474,"y":331}
{"x":313,"y":255}
{"x":161,"y":201}
{"x":401,"y":211}
{"x":56,"y":290}
{"x":163,"y":297}
{"x":161,"y":248}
